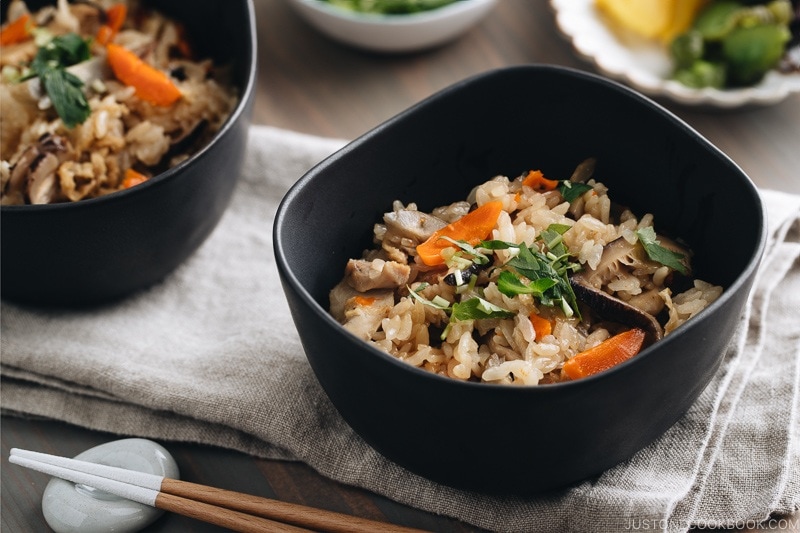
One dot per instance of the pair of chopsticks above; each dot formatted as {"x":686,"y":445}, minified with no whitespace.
{"x":233,"y":510}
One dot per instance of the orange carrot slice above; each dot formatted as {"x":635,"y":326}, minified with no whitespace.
{"x":150,"y":83}
{"x":605,"y":355}
{"x":132,"y":178}
{"x":472,"y":228}
{"x":115,"y":17}
{"x":536,"y":181}
{"x":17,"y":31}
{"x":104,"y":34}
{"x":541,"y":326}
{"x":364,"y":301}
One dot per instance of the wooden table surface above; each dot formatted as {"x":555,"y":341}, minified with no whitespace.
{"x":310,"y":84}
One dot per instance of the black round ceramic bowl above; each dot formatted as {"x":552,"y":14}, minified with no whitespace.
{"x":102,"y":249}
{"x":505,"y":122}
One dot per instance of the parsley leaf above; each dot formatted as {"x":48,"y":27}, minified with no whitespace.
{"x":63,"y":88}
{"x":571,"y":191}
{"x":656,"y":252}
{"x":546,"y":271}
{"x":511,"y":285}
{"x":477,"y":308}
{"x":497,"y":245}
{"x":70,"y":49}
{"x":536,"y":266}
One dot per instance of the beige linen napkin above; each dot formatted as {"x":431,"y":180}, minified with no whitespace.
{"x":210,"y":355}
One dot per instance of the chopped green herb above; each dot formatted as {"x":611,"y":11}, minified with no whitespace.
{"x":546,"y":273}
{"x":474,"y":308}
{"x":477,"y":257}
{"x":63,"y":88}
{"x":511,"y":285}
{"x":70,"y":49}
{"x":477,"y":308}
{"x":535,"y":265}
{"x":65,"y":92}
{"x":559,"y":228}
{"x":438,"y":302}
{"x":497,"y":245}
{"x":656,"y":252}
{"x":571,"y":191}
{"x":553,"y":240}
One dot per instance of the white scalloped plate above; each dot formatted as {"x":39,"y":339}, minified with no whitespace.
{"x":646,"y":66}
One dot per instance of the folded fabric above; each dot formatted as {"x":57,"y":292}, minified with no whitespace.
{"x":210,"y":355}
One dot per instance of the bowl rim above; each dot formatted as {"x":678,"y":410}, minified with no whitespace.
{"x":728,"y":293}
{"x":394,"y":19}
{"x":246,"y":94}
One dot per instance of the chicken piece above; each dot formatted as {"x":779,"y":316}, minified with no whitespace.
{"x":365,"y":275}
{"x":403,"y":229}
{"x":411,"y":224}
{"x":338,"y":298}
{"x":360,"y":313}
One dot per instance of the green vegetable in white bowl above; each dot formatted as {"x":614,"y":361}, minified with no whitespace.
{"x":732,"y":44}
{"x":390,"y":7}
{"x":393,"y":26}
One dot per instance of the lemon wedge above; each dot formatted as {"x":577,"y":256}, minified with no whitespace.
{"x":653,"y":19}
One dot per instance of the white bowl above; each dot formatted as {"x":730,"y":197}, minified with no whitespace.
{"x":646,"y":66}
{"x":393,"y":33}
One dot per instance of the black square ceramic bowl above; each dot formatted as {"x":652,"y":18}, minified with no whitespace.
{"x":98,"y":250}
{"x":505,"y":122}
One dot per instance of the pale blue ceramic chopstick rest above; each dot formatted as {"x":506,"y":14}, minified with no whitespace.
{"x":72,"y":507}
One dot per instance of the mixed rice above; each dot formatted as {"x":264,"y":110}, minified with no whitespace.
{"x":70,"y":128}
{"x":557,"y":270}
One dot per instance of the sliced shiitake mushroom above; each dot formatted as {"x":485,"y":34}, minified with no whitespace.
{"x":615,"y":310}
{"x":35,"y":170}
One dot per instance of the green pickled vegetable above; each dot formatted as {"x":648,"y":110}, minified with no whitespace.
{"x":390,"y":7}
{"x":701,"y":74}
{"x":687,"y":48}
{"x":751,"y":52}
{"x":732,"y":43}
{"x":717,"y":20}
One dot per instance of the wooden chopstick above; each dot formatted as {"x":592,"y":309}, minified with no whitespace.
{"x":228,"y":518}
{"x":221,"y":516}
{"x":233,"y":510}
